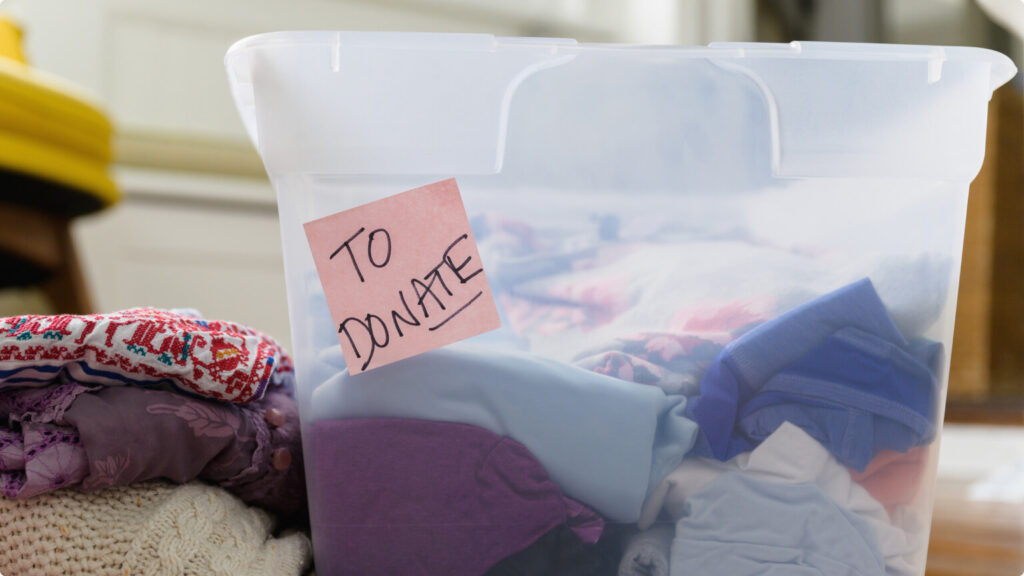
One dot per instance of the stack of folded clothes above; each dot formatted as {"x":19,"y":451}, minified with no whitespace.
{"x":147,"y":441}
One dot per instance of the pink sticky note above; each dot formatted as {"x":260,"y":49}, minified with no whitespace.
{"x":402,"y":275}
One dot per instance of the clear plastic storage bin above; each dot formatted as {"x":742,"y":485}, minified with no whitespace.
{"x":727,"y":280}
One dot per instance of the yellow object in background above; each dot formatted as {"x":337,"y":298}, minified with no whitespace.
{"x":10,"y":40}
{"x":49,"y":129}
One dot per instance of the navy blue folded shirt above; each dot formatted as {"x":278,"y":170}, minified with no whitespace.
{"x":837,"y":367}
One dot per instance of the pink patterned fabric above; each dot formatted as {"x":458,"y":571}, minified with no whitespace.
{"x":723,"y":321}
{"x":583,"y":305}
{"x":212,"y":358}
{"x":675,"y":361}
{"x":672,"y":362}
{"x":893,"y":478}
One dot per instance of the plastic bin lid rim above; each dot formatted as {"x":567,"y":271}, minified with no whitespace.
{"x":1002,"y":67}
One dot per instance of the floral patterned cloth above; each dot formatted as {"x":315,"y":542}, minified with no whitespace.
{"x":533,"y":272}
{"x":567,"y":306}
{"x":142,"y":346}
{"x":672,"y":362}
{"x":675,"y":361}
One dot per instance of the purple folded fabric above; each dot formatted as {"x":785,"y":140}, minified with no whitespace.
{"x":70,"y":434}
{"x":417,"y":498}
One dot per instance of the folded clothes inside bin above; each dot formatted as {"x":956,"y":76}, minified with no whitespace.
{"x":836,"y":366}
{"x":789,"y":457}
{"x":602,"y":440}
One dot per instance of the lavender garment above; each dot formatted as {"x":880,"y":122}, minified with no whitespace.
{"x":40,"y":458}
{"x":37,"y":455}
{"x":67,"y":434}
{"x":417,"y":498}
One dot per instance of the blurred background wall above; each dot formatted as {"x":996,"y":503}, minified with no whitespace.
{"x":197,"y":226}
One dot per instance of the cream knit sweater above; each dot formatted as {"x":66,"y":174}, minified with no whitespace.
{"x":145,"y":529}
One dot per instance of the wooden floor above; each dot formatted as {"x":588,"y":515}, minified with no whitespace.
{"x":974,"y":538}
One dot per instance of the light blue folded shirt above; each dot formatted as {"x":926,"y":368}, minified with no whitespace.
{"x":604,"y":441}
{"x":743,"y":526}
